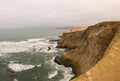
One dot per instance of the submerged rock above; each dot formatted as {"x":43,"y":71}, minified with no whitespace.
{"x":88,"y":47}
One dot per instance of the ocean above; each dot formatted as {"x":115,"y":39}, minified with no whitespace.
{"x":28,"y":55}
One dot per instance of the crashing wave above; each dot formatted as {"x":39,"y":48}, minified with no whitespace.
{"x":52,"y":74}
{"x":36,"y":45}
{"x":67,"y":72}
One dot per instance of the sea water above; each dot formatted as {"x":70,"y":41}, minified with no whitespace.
{"x":25,"y":55}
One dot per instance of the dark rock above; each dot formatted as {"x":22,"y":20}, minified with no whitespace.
{"x":58,"y":46}
{"x":53,"y":40}
{"x":49,"y":48}
{"x":58,"y":60}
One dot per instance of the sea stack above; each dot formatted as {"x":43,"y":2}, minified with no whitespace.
{"x":94,"y":52}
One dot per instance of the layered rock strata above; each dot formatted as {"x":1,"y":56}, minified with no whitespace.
{"x":91,"y":51}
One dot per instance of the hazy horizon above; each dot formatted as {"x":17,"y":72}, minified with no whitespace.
{"x":56,"y":13}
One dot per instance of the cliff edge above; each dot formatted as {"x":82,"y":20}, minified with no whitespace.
{"x":93,"y":52}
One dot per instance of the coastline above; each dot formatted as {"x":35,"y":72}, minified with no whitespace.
{"x":87,"y":49}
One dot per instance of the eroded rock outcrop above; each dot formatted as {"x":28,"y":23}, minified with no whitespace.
{"x":88,"y":52}
{"x":70,"y":38}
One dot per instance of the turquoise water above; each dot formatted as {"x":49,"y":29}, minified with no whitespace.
{"x":24,"y":55}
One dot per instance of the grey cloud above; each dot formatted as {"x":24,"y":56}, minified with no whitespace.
{"x":25,"y":13}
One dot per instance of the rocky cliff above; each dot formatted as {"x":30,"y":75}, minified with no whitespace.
{"x":93,"y":52}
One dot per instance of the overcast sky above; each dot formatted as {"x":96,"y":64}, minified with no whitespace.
{"x":31,"y":13}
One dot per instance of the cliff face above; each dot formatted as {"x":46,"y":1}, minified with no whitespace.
{"x":71,"y":38}
{"x":96,"y":49}
{"x":108,"y":68}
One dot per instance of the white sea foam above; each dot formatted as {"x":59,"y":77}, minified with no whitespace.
{"x":67,"y":72}
{"x":12,"y":47}
{"x":15,"y":79}
{"x":36,"y":39}
{"x":0,"y":55}
{"x":38,"y":65}
{"x":20,"y":67}
{"x":52,"y":74}
{"x":36,"y":45}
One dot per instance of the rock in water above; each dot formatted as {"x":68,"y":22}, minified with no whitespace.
{"x":58,"y":60}
{"x":49,"y":48}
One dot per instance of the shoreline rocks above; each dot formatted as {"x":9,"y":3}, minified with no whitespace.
{"x":87,"y":46}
